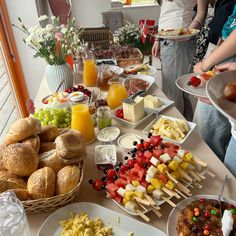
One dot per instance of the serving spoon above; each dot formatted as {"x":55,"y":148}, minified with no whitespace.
{"x":221,"y":193}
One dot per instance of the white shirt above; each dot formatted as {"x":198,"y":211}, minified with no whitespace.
{"x":176,"y":14}
{"x":233,"y":128}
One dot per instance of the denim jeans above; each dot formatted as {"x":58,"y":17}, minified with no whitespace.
{"x":230,"y":156}
{"x":213,"y":127}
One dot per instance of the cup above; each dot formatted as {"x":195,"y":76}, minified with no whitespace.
{"x":90,"y":72}
{"x":81,"y":120}
{"x":13,"y":220}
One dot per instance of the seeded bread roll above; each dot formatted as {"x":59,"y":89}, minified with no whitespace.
{"x":70,"y":145}
{"x":46,"y":146}
{"x":20,"y":159}
{"x":33,"y":142}
{"x":48,"y":133}
{"x":1,"y":156}
{"x":22,"y":129}
{"x":67,"y":178}
{"x":41,"y":184}
{"x":52,"y":160}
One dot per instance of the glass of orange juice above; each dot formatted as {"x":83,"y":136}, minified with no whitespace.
{"x":90,"y":72}
{"x":82,"y":121}
{"x":116,"y":93}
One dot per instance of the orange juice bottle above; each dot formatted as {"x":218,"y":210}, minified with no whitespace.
{"x":90,"y":73}
{"x":82,"y":121}
{"x":116,"y":93}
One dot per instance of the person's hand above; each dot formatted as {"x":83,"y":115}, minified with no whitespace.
{"x":225,"y":67}
{"x":156,"y":49}
{"x":199,"y":68}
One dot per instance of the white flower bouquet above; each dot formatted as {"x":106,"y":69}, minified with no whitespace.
{"x":54,"y":42}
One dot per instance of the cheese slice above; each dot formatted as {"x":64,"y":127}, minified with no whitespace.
{"x":152,"y":102}
{"x":134,"y":112}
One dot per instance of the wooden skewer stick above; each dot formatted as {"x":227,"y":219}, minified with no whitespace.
{"x":211,"y":174}
{"x":197,"y":184}
{"x":143,"y":207}
{"x":170,"y":192}
{"x":153,"y":203}
{"x":198,"y":161}
{"x":184,"y":175}
{"x":188,"y":183}
{"x":169,"y":201}
{"x":180,"y":193}
{"x":158,"y":213}
{"x":200,"y":175}
{"x":142,"y":201}
{"x":194,"y":175}
{"x":142,"y":215}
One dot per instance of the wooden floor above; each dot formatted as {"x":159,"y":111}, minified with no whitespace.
{"x":8,"y":108}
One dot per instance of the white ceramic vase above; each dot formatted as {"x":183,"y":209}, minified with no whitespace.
{"x":55,"y":74}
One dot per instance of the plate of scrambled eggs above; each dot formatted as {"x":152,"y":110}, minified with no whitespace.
{"x":89,"y":219}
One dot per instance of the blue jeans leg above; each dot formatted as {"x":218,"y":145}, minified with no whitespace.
{"x":230,"y":157}
{"x":213,"y":127}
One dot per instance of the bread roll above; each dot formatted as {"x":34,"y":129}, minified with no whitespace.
{"x":41,"y":184}
{"x":33,"y":141}
{"x":52,"y":160}
{"x":22,"y":129}
{"x":48,"y":133}
{"x":70,"y":145}
{"x":46,"y":146}
{"x":20,"y":159}
{"x":21,"y":193}
{"x":1,"y":156}
{"x":67,"y":178}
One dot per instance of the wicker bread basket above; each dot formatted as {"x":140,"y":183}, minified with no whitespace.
{"x":123,"y":62}
{"x":52,"y":203}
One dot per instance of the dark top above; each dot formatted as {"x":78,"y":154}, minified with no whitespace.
{"x":223,"y":9}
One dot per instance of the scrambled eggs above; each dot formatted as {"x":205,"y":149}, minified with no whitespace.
{"x":81,"y":225}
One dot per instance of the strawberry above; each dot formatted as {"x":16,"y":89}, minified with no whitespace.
{"x":194,"y":81}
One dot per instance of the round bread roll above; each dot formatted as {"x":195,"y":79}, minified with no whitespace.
{"x":67,"y":178}
{"x":41,"y":184}
{"x":22,"y":129}
{"x":1,"y":156}
{"x":46,"y":146}
{"x":20,"y":159}
{"x":21,"y":193}
{"x":16,"y":181}
{"x":33,"y":142}
{"x":48,"y":133}
{"x":70,"y":145}
{"x":52,"y":160}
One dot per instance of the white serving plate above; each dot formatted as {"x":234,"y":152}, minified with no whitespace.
{"x":105,"y":135}
{"x":191,"y":126}
{"x":147,"y":78}
{"x":116,"y":69}
{"x":128,"y":123}
{"x":151,"y":69}
{"x":134,"y":137}
{"x":121,"y":224}
{"x":182,"y":83}
{"x":176,"y":37}
{"x":215,"y":88}
{"x":173,"y":217}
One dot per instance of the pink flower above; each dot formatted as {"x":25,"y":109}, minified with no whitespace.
{"x":62,"y":26}
{"x":58,"y":36}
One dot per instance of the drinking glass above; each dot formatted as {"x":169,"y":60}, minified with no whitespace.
{"x":81,"y":120}
{"x":89,"y":73}
{"x":13,"y":220}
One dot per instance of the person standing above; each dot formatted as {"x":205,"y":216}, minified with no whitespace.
{"x":176,"y":56}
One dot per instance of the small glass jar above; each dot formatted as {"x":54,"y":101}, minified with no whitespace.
{"x":103,"y":117}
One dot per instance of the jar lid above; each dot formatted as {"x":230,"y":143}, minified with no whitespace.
{"x":103,"y":110}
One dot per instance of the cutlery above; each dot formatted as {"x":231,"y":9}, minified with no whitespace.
{"x":221,"y":193}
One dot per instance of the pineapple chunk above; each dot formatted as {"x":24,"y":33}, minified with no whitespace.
{"x":135,"y":183}
{"x":150,"y":189}
{"x":162,"y":167}
{"x":156,"y":183}
{"x":174,"y":165}
{"x":170,"y":185}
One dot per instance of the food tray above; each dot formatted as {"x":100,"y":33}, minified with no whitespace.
{"x":148,"y":114}
{"x":123,"y":62}
{"x":191,"y":126}
{"x":52,"y":203}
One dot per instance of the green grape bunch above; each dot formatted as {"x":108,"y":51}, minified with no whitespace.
{"x":54,"y":116}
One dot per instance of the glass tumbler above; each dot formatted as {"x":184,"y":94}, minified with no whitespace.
{"x":13,"y":219}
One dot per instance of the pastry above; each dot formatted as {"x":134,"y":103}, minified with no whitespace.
{"x":33,"y":141}
{"x":48,"y":133}
{"x":67,"y":178}
{"x":52,"y":160}
{"x":20,"y":159}
{"x":46,"y":146}
{"x":70,"y":145}
{"x":41,"y":184}
{"x":22,"y":129}
{"x":230,"y":91}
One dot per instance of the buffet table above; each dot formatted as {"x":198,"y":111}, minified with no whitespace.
{"x":194,"y":143}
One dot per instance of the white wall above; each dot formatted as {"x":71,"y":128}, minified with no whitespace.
{"x":33,"y":69}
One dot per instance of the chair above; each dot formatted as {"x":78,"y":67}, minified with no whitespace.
{"x":97,"y":37}
{"x":113,"y":20}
